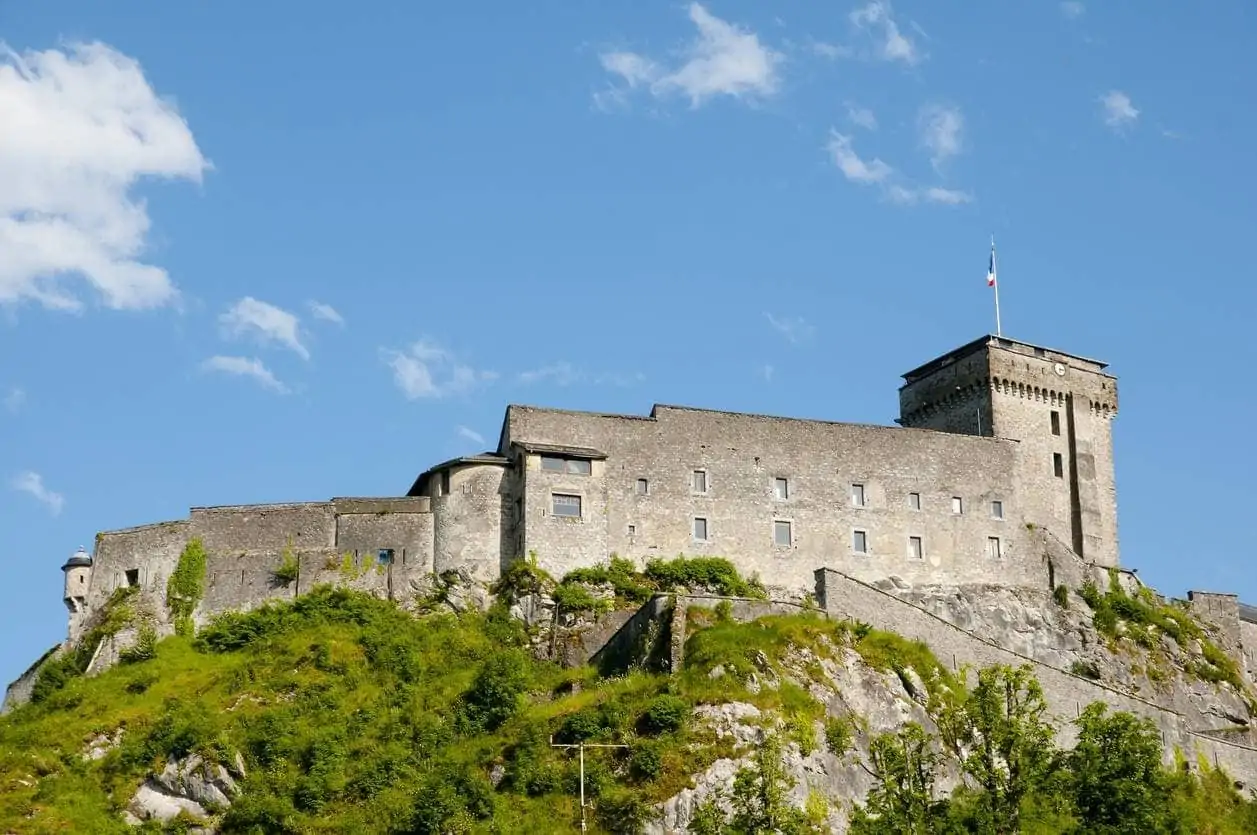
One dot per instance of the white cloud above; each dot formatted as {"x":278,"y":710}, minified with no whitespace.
{"x":874,"y":172}
{"x":265,"y":322}
{"x":249,"y":367}
{"x":565,"y":374}
{"x":1118,"y":110}
{"x":861,"y":117}
{"x":795,"y":330}
{"x":852,"y":166}
{"x":326,"y":312}
{"x":830,"y":50}
{"x":942,"y":128}
{"x":471,"y":435}
{"x":15,"y":400}
{"x":426,"y":370}
{"x":82,"y":127}
{"x":876,"y":19}
{"x":725,"y":59}
{"x":767,"y":371}
{"x":32,"y":483}
{"x":1072,"y":10}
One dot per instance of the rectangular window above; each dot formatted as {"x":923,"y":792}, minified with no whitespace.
{"x":571,"y":466}
{"x":860,"y":542}
{"x":781,"y":533}
{"x":915,"y":549}
{"x":957,"y":504}
{"x":997,"y":510}
{"x":992,"y":547}
{"x":384,"y":556}
{"x":781,"y":488}
{"x":643,"y":487}
{"x":1056,"y":423}
{"x":698,"y":481}
{"x":133,"y":576}
{"x":632,"y":530}
{"x":700,"y":529}
{"x":1058,"y":465}
{"x":857,"y":495}
{"x":565,"y":504}
{"x":914,"y":501}
{"x":445,"y":483}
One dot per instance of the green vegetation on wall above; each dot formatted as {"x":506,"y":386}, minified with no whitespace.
{"x":185,"y":586}
{"x":55,"y":673}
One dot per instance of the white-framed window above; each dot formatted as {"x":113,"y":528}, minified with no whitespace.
{"x":781,"y":488}
{"x":567,"y":505}
{"x":570,"y":466}
{"x":783,"y":535}
{"x":860,"y":541}
{"x":993,"y":549}
{"x":916,"y":548}
{"x":698,"y":481}
{"x":700,"y":529}
{"x":643,"y":487}
{"x":914,"y":501}
{"x":957,"y":505}
{"x":997,"y":509}
{"x":857,"y":495}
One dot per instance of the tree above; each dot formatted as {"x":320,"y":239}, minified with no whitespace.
{"x":1004,"y":743}
{"x":904,"y":764}
{"x":1117,"y":782}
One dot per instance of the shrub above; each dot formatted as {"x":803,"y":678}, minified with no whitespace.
{"x":145,"y":647}
{"x":185,"y":586}
{"x":838,"y":735}
{"x":495,"y":693}
{"x":572,"y":598}
{"x":666,"y":713}
{"x":288,"y":569}
{"x":716,"y":574}
{"x":646,"y":761}
{"x":1061,"y":595}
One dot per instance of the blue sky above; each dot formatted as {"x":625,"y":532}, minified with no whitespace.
{"x":268,"y":252}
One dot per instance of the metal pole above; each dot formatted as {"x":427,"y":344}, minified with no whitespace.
{"x":994,"y":272}
{"x":582,"y":787}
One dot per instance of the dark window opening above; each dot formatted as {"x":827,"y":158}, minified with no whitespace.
{"x":385,"y":556}
{"x":445,"y":483}
{"x":133,"y":576}
{"x":1056,"y":423}
{"x":643,"y":487}
{"x":1058,"y":465}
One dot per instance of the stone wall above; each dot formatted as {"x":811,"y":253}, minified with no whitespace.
{"x":1067,"y":694}
{"x":1223,"y":612}
{"x":19,"y":690}
{"x":467,"y":516}
{"x":1248,"y":635}
{"x":742,"y":455}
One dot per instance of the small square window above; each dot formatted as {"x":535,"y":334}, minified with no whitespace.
{"x":993,"y":547}
{"x":914,"y":501}
{"x":782,"y":533}
{"x":1056,"y":423}
{"x":957,"y":504}
{"x":384,"y":556}
{"x":632,"y":530}
{"x":698,"y":481}
{"x":700,"y":529}
{"x":860,"y":542}
{"x":133,"y":576}
{"x":781,"y":488}
{"x":997,"y":509}
{"x":857,"y":495}
{"x":567,"y":505}
{"x":643,"y":487}
{"x":1058,"y":465}
{"x":915,"y":548}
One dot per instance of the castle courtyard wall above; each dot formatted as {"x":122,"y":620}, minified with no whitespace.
{"x":742,"y":455}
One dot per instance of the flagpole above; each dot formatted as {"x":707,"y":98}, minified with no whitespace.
{"x":994,"y":272}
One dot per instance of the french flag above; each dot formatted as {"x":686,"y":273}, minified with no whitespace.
{"x":990,"y":269}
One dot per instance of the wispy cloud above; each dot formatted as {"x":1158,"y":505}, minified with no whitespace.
{"x":892,"y":185}
{"x":767,"y":371}
{"x":471,"y":435}
{"x":828,"y":50}
{"x":264,"y":322}
{"x":32,"y":484}
{"x":725,"y":59}
{"x":14,"y":400}
{"x":248,"y":367}
{"x":1072,"y":10}
{"x":878,"y":21}
{"x":426,"y":370}
{"x":325,"y":312}
{"x":82,"y":127}
{"x":565,"y":373}
{"x":1119,"y":112}
{"x":942,"y":128}
{"x":861,"y":117}
{"x":795,"y":330}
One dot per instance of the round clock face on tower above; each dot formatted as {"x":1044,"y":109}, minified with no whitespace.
{"x":1059,"y":368}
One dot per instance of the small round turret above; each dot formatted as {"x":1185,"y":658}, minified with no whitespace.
{"x":78,"y":574}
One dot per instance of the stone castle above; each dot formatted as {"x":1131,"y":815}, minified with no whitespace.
{"x":1000,"y":472}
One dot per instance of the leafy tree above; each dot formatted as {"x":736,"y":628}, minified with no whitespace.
{"x":904,"y":764}
{"x":1117,"y":782}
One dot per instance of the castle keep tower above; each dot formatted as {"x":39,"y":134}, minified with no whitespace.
{"x":1056,"y":405}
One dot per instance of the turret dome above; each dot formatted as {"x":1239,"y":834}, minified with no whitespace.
{"x":80,"y":559}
